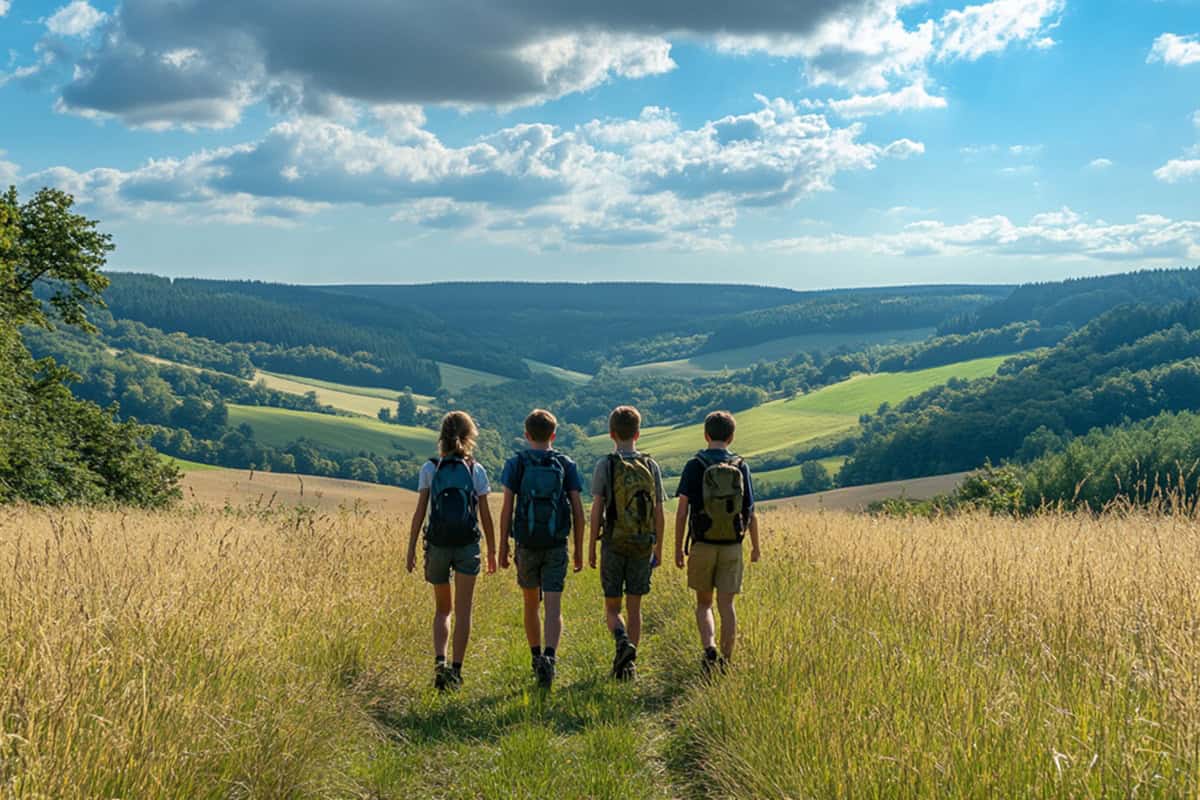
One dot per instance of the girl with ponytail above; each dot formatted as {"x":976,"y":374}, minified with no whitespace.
{"x":453,"y":490}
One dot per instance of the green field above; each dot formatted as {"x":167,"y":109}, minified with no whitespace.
{"x":187,"y":466}
{"x":562,"y":373}
{"x":278,"y":426}
{"x":365,"y":400}
{"x":792,"y":474}
{"x":455,"y":377}
{"x":785,"y":423}
{"x":722,"y":361}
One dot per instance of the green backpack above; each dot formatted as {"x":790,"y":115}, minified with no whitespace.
{"x":629,"y":517}
{"x":721,"y":508}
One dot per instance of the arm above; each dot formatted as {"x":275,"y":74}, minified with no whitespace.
{"x":489,"y":532}
{"x":594,"y":534}
{"x":506,"y":512}
{"x":754,"y":551}
{"x":577,"y":528}
{"x":681,"y":521}
{"x":414,"y":533}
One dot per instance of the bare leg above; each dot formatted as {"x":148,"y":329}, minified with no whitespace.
{"x":612,"y":613}
{"x":728,"y":623}
{"x":533,"y":625}
{"x":633,"y":604}
{"x":704,"y":619}
{"x":554,"y":622}
{"x":464,"y":595}
{"x":441,"y":618}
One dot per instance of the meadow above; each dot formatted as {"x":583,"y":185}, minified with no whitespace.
{"x":197,"y":653}
{"x":833,"y":409}
{"x":278,"y":427}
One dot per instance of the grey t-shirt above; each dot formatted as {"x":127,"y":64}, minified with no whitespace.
{"x":600,"y":479}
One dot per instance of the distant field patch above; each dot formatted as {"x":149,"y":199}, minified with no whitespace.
{"x":722,"y":361}
{"x":186,"y":466}
{"x":455,"y":377}
{"x":365,"y":400}
{"x":216,"y":487}
{"x":278,"y":426}
{"x":562,"y":373}
{"x":792,"y":474}
{"x":834,"y":409}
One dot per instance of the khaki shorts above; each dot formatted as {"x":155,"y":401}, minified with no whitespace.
{"x":715,"y":566}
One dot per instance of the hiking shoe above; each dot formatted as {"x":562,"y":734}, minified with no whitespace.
{"x":628,"y":672}
{"x":544,"y":669}
{"x":626,"y":655}
{"x":442,"y":676}
{"x":710,"y":663}
{"x":453,"y":680}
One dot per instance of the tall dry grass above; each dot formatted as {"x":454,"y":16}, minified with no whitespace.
{"x":208,"y":654}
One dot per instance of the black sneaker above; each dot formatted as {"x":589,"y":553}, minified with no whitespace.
{"x":710,"y":663}
{"x":453,"y":680}
{"x":626,"y":654}
{"x":545,"y":671}
{"x":628,"y":672}
{"x":442,"y":676}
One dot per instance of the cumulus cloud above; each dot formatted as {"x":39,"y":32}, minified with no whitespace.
{"x":78,"y":18}
{"x":1100,"y":163}
{"x":910,"y":98}
{"x":1178,"y":170}
{"x":604,"y":183}
{"x":1062,"y":233}
{"x":201,"y":62}
{"x":1179,"y":51}
{"x":978,"y":30}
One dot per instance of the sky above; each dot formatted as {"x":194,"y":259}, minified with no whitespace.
{"x":799,"y":143}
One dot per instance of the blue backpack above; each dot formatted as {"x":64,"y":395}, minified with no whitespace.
{"x":543,"y":510}
{"x":453,"y":517}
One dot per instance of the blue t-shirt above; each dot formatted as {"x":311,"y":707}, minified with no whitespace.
{"x":571,"y":482}
{"x":691,"y":482}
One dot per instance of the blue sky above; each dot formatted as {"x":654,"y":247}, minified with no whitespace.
{"x":803,"y":143}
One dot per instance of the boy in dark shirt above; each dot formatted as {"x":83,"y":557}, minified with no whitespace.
{"x":716,"y":510}
{"x":542,"y":509}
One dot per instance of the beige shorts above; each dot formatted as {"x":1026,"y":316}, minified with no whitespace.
{"x":715,"y":566}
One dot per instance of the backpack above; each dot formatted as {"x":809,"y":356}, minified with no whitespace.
{"x":721,"y":507}
{"x":543,"y":512}
{"x":453,"y":519}
{"x":629,"y":517}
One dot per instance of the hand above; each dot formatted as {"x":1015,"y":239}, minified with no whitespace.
{"x":491,"y":562}
{"x":655,"y":559}
{"x":503,"y":557}
{"x":679,"y":558}
{"x":592,"y":558}
{"x":754,"y":555}
{"x":579,"y":562}
{"x":412,"y":561}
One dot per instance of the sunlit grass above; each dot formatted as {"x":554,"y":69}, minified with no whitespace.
{"x":205,"y":654}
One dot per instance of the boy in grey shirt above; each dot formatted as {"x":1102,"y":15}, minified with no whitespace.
{"x":628,"y":521}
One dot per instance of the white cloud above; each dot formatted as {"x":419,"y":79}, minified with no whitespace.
{"x":978,"y":30}
{"x":604,"y":183}
{"x":77,"y":18}
{"x":910,"y":98}
{"x":1100,"y":163}
{"x":1059,"y":234}
{"x":1179,"y":51}
{"x":5,"y":5}
{"x":1178,"y":170}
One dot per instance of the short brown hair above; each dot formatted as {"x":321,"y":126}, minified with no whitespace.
{"x":719,"y":426}
{"x":624,"y":423}
{"x":540,"y":425}
{"x":458,"y":434}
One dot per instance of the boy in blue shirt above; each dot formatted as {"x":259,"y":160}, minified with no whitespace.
{"x":542,"y":510}
{"x":716,"y":508}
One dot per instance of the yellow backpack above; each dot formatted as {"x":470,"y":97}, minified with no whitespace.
{"x":629,"y":516}
{"x":724,"y":495}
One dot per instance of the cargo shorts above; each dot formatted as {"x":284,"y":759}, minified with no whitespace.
{"x":621,"y":574}
{"x":542,"y":569}
{"x":439,"y":561}
{"x":715,"y":566}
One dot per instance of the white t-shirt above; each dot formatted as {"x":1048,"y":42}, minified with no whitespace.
{"x":479,"y":476}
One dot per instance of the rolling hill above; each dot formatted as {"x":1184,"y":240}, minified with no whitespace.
{"x":214,"y":487}
{"x":722,"y":361}
{"x":834,"y":409}
{"x":277,"y":427}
